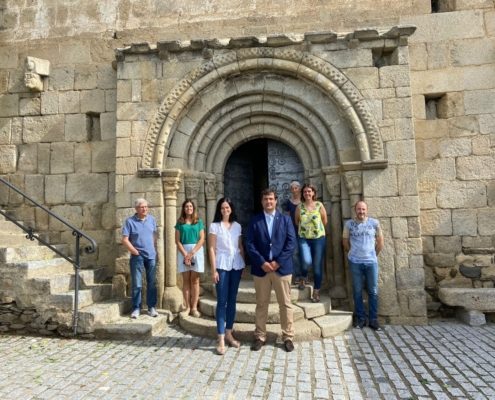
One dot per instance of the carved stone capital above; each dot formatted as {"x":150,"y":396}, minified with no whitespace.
{"x":171,"y":183}
{"x":191,"y":186}
{"x":210,"y":189}
{"x":333,"y":186}
{"x":353,"y":182}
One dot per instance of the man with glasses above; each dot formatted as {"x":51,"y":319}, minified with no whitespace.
{"x":139,"y":235}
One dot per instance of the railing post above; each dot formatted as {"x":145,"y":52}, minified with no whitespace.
{"x":75,"y":316}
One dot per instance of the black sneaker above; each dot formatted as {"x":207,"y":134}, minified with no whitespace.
{"x":375,"y":326}
{"x":361,"y":324}
{"x":257,"y":345}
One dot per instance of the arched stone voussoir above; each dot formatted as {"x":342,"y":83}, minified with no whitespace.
{"x":221,"y":150}
{"x":284,"y":61}
{"x":312,"y":128}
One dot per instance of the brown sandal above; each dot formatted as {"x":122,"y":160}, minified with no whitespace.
{"x":316,"y":296}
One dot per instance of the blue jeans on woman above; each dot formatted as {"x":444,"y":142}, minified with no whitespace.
{"x":138,"y":263}
{"x":227,"y":287}
{"x":312,"y":252}
{"x":365,"y":273}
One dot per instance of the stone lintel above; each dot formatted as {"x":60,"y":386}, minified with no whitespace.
{"x":149,"y":173}
{"x":276,"y":40}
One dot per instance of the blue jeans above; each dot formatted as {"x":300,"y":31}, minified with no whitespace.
{"x":312,"y":252}
{"x":138,"y":263}
{"x":365,"y":273}
{"x":227,"y":287}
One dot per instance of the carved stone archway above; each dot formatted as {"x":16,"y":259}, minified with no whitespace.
{"x":281,"y":94}
{"x":283,"y":88}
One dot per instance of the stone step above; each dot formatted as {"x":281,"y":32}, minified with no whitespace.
{"x":8,"y":227}
{"x":65,"y":301}
{"x":102,"y":313}
{"x":40,"y":268}
{"x":29,"y":251}
{"x":247,"y":294}
{"x":125,"y":328}
{"x":13,"y":239}
{"x":313,"y":310}
{"x":334,"y":323}
{"x":206,"y":327}
{"x":66,"y":282}
{"x":246,"y":312}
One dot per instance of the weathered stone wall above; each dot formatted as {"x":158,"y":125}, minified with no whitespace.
{"x":453,"y":85}
{"x":61,"y":146}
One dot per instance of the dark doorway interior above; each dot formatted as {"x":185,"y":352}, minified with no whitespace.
{"x":256,"y":165}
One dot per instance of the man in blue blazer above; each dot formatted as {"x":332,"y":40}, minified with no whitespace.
{"x":271,"y":240}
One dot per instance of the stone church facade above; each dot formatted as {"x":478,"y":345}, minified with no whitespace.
{"x":393,"y":103}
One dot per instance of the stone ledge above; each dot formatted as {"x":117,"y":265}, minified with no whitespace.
{"x":481,"y":299}
{"x":276,"y":40}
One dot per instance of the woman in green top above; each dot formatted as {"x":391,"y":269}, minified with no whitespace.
{"x":311,"y":218}
{"x":189,"y":238}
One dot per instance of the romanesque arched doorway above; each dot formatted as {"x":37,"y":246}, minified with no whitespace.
{"x":239,"y":95}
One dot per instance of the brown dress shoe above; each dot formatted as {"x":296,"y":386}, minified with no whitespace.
{"x":257,"y":345}
{"x":289,"y":346}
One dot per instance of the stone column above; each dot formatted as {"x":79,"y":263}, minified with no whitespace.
{"x":211,"y":202}
{"x":332,"y":178}
{"x":211,"y":197}
{"x":172,"y":295}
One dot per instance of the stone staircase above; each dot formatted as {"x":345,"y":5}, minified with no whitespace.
{"x":36,"y":278}
{"x":311,"y":320}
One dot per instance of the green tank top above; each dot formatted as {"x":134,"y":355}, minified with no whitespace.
{"x":310,"y":223}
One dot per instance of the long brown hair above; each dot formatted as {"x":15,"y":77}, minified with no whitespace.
{"x":194,"y":217}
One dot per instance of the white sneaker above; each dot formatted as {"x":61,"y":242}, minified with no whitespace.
{"x":135,"y":313}
{"x":152,"y":312}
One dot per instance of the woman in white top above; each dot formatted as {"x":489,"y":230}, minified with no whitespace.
{"x":227,"y":262}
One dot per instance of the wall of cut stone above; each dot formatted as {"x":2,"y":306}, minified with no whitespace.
{"x":453,"y":85}
{"x":60,"y":144}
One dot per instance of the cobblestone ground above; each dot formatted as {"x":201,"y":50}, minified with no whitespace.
{"x":444,"y":360}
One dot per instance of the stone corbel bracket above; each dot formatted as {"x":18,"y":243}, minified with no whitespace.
{"x":164,"y":48}
{"x":35,"y":70}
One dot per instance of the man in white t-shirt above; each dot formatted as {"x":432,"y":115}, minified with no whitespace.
{"x":363,"y":240}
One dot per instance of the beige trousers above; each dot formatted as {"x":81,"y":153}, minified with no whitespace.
{"x":263,"y":287}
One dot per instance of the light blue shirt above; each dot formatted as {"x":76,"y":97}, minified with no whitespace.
{"x":141,"y":234}
{"x":269,"y":218}
{"x":362,"y":238}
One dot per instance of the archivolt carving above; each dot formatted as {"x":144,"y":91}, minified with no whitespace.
{"x":280,"y":60}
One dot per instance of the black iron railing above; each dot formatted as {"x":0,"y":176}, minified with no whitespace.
{"x":78,"y":234}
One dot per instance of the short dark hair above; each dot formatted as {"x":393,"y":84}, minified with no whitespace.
{"x":268,"y":191}
{"x":218,"y":214}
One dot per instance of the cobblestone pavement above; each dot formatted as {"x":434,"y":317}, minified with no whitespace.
{"x":444,"y":360}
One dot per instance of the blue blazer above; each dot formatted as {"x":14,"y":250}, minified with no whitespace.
{"x":282,"y":243}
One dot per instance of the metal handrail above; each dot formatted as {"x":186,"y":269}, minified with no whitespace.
{"x":31,"y":235}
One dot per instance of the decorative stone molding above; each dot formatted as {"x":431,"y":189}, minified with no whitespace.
{"x":35,"y":70}
{"x":286,"y":61}
{"x":276,"y":40}
{"x":149,"y":173}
